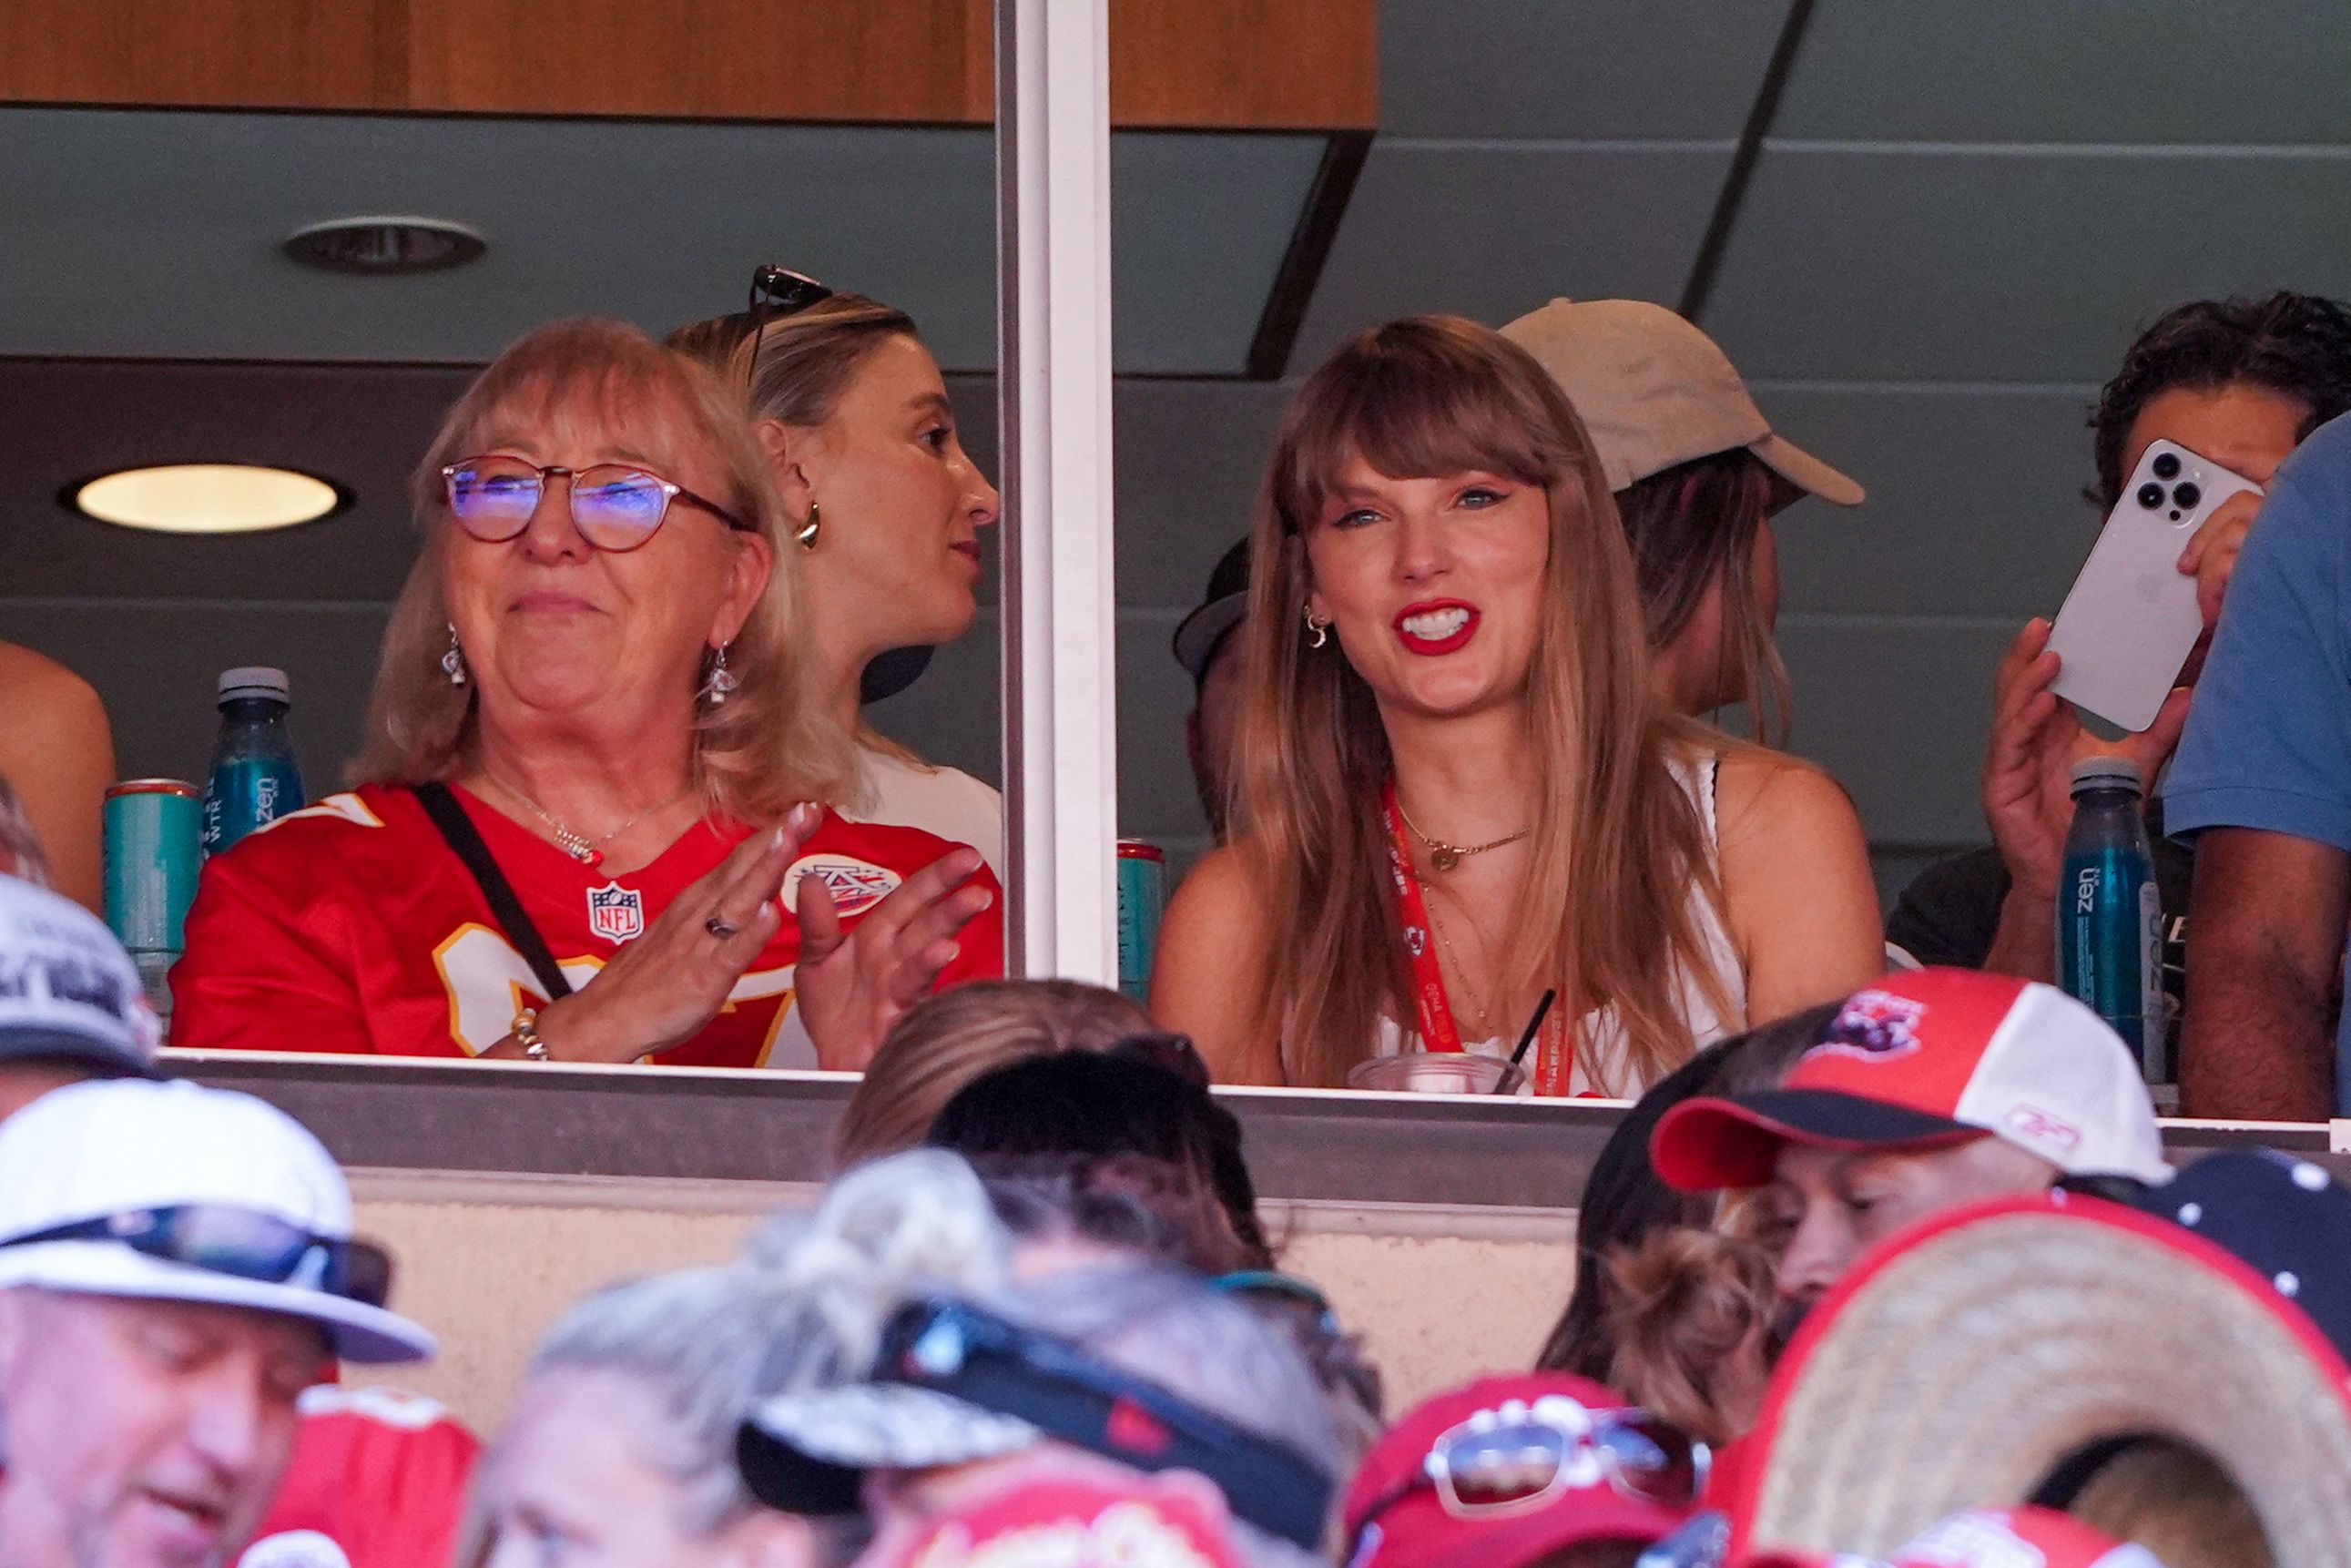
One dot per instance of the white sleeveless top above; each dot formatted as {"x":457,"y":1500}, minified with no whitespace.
{"x":1600,"y":1068}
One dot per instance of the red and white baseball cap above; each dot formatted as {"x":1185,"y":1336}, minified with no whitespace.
{"x":1396,"y":1518}
{"x":1992,"y":1538}
{"x":1929,"y":1058}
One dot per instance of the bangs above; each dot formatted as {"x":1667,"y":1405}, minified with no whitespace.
{"x":1411,"y":409}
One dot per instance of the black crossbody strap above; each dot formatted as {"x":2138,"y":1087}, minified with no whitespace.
{"x":466,"y":840}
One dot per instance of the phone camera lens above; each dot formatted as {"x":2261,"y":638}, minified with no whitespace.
{"x":2166,"y":466}
{"x":2185,"y":497}
{"x":2150,"y":495}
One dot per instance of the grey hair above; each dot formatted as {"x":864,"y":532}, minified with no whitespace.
{"x":802,"y":1309}
{"x":18,"y":841}
{"x":1166,"y":1327}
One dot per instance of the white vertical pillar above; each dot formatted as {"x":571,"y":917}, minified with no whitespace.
{"x":1053,"y":358}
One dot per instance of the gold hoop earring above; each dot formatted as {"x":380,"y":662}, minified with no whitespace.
{"x":808,"y":531}
{"x":1321,"y":629}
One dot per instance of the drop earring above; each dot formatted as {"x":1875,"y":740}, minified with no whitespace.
{"x":1321,"y":629}
{"x":808,"y":531}
{"x":722,"y":679}
{"x":453,"y":663}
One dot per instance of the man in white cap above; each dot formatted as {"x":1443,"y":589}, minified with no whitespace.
{"x":175,"y":1264}
{"x":70,"y":1004}
{"x":1927,"y":1091}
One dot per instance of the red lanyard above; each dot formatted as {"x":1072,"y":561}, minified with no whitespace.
{"x":1438,"y":1031}
{"x":1433,"y":1008}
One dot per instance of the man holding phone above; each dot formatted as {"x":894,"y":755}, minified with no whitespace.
{"x":2238,"y":383}
{"x":2265,"y":782}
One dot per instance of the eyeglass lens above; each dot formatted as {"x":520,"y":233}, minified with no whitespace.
{"x":615,"y":508}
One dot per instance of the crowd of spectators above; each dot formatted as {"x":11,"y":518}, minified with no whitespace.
{"x":1884,"y":1262}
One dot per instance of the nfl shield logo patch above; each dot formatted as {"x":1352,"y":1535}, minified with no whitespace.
{"x":615,"y":913}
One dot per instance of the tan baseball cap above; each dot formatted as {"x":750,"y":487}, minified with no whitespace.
{"x":1654,"y":392}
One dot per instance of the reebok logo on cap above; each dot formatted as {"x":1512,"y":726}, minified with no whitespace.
{"x":1928,"y":1059}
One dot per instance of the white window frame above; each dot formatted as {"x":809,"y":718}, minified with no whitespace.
{"x":1053,"y":358}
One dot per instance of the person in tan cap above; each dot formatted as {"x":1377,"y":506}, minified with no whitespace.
{"x":1699,"y":474}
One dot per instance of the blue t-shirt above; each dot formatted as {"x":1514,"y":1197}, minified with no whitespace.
{"x":2269,"y":737}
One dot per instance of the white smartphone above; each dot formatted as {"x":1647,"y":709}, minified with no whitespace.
{"x":2130,"y":620}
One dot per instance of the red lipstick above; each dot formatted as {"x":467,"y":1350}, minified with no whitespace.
{"x":1437,"y":626}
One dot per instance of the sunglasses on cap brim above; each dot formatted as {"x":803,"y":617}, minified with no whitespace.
{"x":240,"y":1243}
{"x":954,"y":1348}
{"x":1490,"y":1467}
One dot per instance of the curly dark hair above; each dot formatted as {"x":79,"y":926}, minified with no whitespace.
{"x":2298,"y":345}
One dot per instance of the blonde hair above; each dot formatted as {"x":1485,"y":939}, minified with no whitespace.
{"x":1678,"y":1308}
{"x":771,"y":744}
{"x":946,"y":1041}
{"x":804,"y":362}
{"x":1605,"y":910}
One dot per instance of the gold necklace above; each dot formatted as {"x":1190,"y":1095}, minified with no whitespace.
{"x":587,"y":851}
{"x":1461,"y":973}
{"x":1443,"y":856}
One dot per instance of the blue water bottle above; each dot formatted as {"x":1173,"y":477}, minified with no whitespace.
{"x":2109,"y":923}
{"x":255,"y":780}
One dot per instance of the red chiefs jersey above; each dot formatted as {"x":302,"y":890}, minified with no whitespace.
{"x":377,"y":1480}
{"x":352,"y":927}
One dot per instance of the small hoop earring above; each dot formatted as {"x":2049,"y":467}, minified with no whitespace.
{"x":1321,"y":629}
{"x":453,"y":663}
{"x":807,"y":532}
{"x":722,"y":680}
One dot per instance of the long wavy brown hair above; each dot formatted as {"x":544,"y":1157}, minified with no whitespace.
{"x":772,"y":745}
{"x":1604,"y":912}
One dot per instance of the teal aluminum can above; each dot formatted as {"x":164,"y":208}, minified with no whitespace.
{"x":151,"y":828}
{"x":1141,"y":899}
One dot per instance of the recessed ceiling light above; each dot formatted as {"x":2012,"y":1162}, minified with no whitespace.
{"x":205,"y":498}
{"x":382,"y":246}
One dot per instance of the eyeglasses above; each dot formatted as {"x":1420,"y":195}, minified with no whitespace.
{"x":973,"y":1355}
{"x":777,"y":292}
{"x":243,"y":1243}
{"x":1498,"y":1465}
{"x":614,"y":505}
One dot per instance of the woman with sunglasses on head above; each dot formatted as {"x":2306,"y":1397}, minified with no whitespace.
{"x":1458,"y":793}
{"x":584,"y":832}
{"x":885,"y":509}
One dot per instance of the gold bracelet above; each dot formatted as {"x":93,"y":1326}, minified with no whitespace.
{"x":526,"y":1033}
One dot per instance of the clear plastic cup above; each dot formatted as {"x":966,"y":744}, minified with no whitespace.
{"x":1437,"y":1073}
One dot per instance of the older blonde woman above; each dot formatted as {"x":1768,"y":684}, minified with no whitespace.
{"x":584,"y":832}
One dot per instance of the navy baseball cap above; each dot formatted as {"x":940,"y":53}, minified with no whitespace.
{"x":2285,"y":1219}
{"x":1220,"y":610}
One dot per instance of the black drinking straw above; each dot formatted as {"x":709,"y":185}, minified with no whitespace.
{"x":1534,"y":1024}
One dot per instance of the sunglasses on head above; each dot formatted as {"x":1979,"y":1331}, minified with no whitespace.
{"x":1173,"y":1053}
{"x":242,"y":1243}
{"x":616,"y":507}
{"x":1523,"y":1458}
{"x":957,"y":1349}
{"x":777,"y":292}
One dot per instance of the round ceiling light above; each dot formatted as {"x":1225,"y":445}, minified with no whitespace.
{"x":205,"y":498}
{"x":381,"y":247}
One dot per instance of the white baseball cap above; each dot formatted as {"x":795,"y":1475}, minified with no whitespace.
{"x":1654,"y":392}
{"x":1928,"y":1059}
{"x":119,"y":1150}
{"x":68,"y":991}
